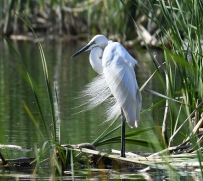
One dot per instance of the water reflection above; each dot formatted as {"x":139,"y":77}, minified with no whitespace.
{"x":69,"y":76}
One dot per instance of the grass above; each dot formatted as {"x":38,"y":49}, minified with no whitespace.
{"x":180,"y":24}
{"x":52,"y":138}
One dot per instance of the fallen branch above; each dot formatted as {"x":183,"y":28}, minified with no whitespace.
{"x":137,"y":160}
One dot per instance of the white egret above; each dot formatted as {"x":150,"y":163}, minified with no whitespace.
{"x":116,"y":69}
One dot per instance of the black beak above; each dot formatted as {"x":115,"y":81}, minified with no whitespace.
{"x":81,"y":50}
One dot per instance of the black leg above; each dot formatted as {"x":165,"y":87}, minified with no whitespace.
{"x":122,"y":134}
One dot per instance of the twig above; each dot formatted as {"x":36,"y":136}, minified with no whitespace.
{"x":163,"y":96}
{"x":194,"y":148}
{"x":2,"y":159}
{"x":177,"y":131}
{"x":196,"y":114}
{"x":170,"y":149}
{"x":196,"y":128}
{"x":165,"y":120}
{"x":194,"y":131}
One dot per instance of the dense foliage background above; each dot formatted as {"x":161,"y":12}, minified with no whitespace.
{"x":75,"y":17}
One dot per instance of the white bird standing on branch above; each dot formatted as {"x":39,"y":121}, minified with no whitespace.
{"x":116,"y":69}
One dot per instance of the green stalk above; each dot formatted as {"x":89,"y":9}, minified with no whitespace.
{"x":31,"y":84}
{"x":45,"y":70}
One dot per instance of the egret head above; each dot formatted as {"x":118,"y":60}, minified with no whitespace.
{"x":97,"y":41}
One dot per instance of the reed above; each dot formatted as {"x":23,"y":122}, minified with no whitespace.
{"x":178,"y":26}
{"x":51,"y":145}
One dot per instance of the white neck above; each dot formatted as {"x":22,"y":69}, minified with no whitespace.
{"x":96,"y":59}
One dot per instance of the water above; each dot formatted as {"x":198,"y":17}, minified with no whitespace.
{"x":69,"y":76}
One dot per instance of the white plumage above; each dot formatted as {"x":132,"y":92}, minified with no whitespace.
{"x":118,"y":69}
{"x":115,"y":67}
{"x":116,"y":76}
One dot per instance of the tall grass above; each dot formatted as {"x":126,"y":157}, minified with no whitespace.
{"x":183,"y":31}
{"x":179,"y":28}
{"x":51,"y":145}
